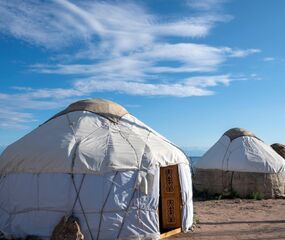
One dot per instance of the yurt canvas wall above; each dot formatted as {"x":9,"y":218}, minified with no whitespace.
{"x":94,"y":161}
{"x":241,"y":164}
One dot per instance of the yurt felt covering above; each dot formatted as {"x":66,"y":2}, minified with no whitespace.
{"x":103,"y":171}
{"x":242,"y":165}
{"x":240,"y":184}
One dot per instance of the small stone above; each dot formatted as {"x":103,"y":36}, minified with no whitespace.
{"x":67,"y":228}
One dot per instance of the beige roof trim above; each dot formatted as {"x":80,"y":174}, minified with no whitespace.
{"x":238,"y":132}
{"x":102,"y":107}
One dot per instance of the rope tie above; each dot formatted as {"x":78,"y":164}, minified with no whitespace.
{"x":77,"y":198}
{"x":102,"y":210}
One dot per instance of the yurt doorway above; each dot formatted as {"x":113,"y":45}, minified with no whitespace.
{"x":170,"y":200}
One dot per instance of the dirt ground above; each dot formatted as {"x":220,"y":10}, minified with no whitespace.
{"x":238,"y":220}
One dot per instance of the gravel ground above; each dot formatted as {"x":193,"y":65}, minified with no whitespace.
{"x":238,"y":220}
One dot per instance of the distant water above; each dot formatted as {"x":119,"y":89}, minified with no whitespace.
{"x":193,"y":160}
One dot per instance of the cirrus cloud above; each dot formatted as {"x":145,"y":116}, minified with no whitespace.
{"x":116,"y":47}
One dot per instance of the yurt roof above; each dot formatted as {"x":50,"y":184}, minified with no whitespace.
{"x":105,"y":108}
{"x":90,"y":136}
{"x":241,"y":151}
{"x":234,"y":133}
{"x":279,"y":148}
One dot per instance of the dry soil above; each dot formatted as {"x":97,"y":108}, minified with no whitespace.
{"x":238,"y":220}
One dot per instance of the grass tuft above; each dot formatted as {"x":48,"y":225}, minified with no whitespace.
{"x":256,"y":196}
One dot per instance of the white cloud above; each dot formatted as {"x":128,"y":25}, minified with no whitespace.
{"x":59,"y":23}
{"x":255,"y":76}
{"x":206,"y":5}
{"x":38,"y":99}
{"x":268,"y":59}
{"x":131,"y":44}
{"x":13,"y":106}
{"x":195,"y":86}
{"x":14,"y":119}
{"x":150,"y":62}
{"x":128,"y":49}
{"x":209,"y":81}
{"x":242,"y":52}
{"x":149,"y":89}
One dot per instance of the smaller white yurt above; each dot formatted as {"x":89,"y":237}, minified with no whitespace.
{"x":241,"y":164}
{"x":96,"y":162}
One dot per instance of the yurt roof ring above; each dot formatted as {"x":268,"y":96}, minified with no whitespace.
{"x":107,"y":109}
{"x":234,"y":133}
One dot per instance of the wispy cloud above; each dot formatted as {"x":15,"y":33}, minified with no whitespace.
{"x":59,"y":23}
{"x":37,"y":99}
{"x":15,"y":107}
{"x":151,"y":62}
{"x":14,"y":119}
{"x":242,"y":52}
{"x":196,"y":86}
{"x":206,"y":5}
{"x":124,"y":46}
{"x":268,"y":59}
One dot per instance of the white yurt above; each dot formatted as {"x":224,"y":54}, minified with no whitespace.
{"x":242,"y":164}
{"x":97,"y":162}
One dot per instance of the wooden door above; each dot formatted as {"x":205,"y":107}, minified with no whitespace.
{"x":170,"y":202}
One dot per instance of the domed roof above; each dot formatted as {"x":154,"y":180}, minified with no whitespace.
{"x":90,"y":136}
{"x":246,"y":153}
{"x":234,"y":133}
{"x":105,"y":108}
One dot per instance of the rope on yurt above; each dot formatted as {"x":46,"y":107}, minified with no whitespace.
{"x":104,"y":203}
{"x":38,"y":192}
{"x":134,"y":188}
{"x":126,"y":211}
{"x":231,"y":185}
{"x":77,"y":191}
{"x":223,"y":164}
{"x":77,"y":142}
{"x":127,"y":140}
{"x":129,"y":205}
{"x":232,"y":175}
{"x":139,"y":169}
{"x":2,"y":178}
{"x":150,"y":131}
{"x":82,"y":209}
{"x":4,"y":210}
{"x":54,"y":210}
{"x":139,"y":190}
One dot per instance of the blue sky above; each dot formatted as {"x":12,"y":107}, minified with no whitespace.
{"x":190,"y":69}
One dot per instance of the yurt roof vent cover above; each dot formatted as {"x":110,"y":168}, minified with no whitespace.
{"x":107,"y":109}
{"x":238,"y":132}
{"x":279,"y":148}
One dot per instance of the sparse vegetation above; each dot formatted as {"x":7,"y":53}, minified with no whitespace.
{"x":205,"y":195}
{"x":230,"y":195}
{"x":256,"y":196}
{"x":196,"y":219}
